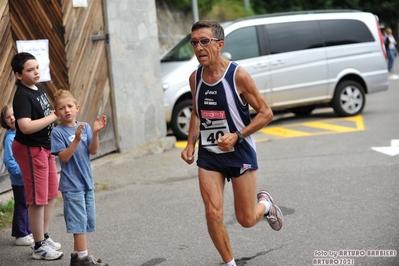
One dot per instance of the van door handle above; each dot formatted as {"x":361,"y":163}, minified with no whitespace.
{"x":261,"y":65}
{"x":278,"y":62}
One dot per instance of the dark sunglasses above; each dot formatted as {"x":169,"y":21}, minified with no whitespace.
{"x":203,"y":42}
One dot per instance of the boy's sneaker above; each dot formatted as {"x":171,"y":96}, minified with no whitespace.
{"x":89,"y":260}
{"x":275,"y":216}
{"x":45,"y":252}
{"x":24,"y":241}
{"x":52,"y":244}
{"x":74,"y":259}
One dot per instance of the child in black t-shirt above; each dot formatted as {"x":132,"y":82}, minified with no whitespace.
{"x":31,"y":148}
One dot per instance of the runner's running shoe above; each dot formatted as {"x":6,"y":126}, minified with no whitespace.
{"x":275,"y":216}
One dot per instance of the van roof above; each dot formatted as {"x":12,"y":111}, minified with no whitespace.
{"x":291,"y":13}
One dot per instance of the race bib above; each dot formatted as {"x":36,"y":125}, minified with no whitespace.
{"x":213,"y":130}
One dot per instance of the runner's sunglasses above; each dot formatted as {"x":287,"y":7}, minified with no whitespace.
{"x":203,"y":42}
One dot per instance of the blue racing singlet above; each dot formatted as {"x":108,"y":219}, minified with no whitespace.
{"x":222,"y":111}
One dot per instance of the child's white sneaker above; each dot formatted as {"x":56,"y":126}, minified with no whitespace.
{"x":45,"y":252}
{"x":24,"y":241}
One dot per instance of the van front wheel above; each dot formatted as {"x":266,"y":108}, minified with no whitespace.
{"x":349,"y":98}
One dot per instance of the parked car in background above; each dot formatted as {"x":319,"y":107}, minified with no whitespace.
{"x":299,"y":61}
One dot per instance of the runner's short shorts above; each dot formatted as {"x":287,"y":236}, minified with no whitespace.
{"x":227,"y":171}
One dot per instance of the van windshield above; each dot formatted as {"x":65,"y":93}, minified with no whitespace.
{"x":183,"y":51}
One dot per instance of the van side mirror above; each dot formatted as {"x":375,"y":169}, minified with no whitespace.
{"x":227,"y":56}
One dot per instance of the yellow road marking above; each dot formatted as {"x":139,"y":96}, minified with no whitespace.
{"x":284,"y":132}
{"x":358,"y":119}
{"x":181,"y":144}
{"x":306,"y":129}
{"x":330,"y":127}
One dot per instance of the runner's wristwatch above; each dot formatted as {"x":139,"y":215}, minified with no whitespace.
{"x":240,"y":137}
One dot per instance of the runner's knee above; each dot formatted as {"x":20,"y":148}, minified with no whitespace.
{"x":245,"y":221}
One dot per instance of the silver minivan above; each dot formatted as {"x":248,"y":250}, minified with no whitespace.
{"x":299,"y":61}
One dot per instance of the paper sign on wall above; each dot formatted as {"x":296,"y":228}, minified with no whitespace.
{"x":79,"y":3}
{"x":39,"y":49}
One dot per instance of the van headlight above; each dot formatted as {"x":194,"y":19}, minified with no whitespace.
{"x":165,"y":86}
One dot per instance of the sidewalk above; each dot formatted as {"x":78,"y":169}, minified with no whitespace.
{"x":154,"y":147}
{"x":157,"y":162}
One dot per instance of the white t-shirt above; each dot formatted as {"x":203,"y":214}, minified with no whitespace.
{"x":391,"y":42}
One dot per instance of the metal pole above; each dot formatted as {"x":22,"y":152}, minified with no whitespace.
{"x":246,"y":4}
{"x":195,"y":10}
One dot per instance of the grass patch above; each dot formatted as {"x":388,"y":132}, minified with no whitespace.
{"x":6,"y":213}
{"x":97,"y":188}
{"x":7,"y":209}
{"x":100,"y":187}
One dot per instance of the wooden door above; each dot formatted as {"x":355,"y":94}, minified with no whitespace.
{"x":78,"y":55}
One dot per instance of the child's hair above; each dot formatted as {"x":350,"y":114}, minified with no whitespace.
{"x":3,"y":116}
{"x":18,"y":62}
{"x":62,"y":94}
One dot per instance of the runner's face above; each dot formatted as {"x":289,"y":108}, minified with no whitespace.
{"x":206,"y":55}
{"x":30,"y":73}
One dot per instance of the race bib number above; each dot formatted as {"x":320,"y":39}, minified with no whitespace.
{"x":212,"y":132}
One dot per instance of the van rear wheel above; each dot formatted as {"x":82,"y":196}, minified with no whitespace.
{"x":180,"y":122}
{"x":349,"y":98}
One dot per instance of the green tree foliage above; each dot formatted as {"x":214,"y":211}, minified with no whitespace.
{"x":228,"y":10}
{"x":184,"y":5}
{"x":387,"y":11}
{"x":204,"y":6}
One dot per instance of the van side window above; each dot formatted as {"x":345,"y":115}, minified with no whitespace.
{"x":183,"y":51}
{"x":293,"y":36}
{"x":345,"y":31}
{"x":242,"y":43}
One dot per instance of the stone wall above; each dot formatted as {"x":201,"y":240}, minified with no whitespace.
{"x":173,"y":25}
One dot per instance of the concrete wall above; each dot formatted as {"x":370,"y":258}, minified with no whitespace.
{"x":135,"y":71}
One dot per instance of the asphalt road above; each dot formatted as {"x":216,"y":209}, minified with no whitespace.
{"x":338,"y":196}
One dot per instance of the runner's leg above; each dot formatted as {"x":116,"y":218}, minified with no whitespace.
{"x":212,"y":188}
{"x":244,"y":187}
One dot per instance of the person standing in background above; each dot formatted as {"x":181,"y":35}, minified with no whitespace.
{"x":390,"y":45}
{"x":74,"y":141}
{"x":31,"y":148}
{"x":20,"y":221}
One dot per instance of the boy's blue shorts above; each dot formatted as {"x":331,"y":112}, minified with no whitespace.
{"x":79,"y":211}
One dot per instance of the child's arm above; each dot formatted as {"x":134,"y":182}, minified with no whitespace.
{"x":29,"y":126}
{"x":97,"y":127}
{"x":66,"y":154}
{"x":8,"y":158}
